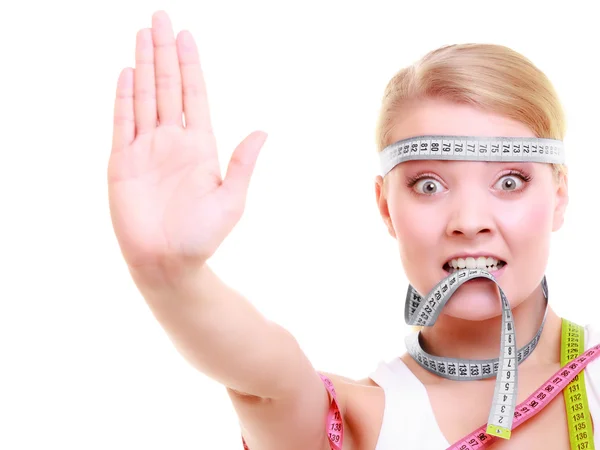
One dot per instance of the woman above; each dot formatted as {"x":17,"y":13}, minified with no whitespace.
{"x":171,"y":210}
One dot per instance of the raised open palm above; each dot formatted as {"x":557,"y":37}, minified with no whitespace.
{"x":169,"y":204}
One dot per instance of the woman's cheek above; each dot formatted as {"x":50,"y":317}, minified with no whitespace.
{"x":417,"y":224}
{"x":527,"y":218}
{"x":526,"y":229}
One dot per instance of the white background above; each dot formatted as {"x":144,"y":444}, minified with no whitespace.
{"x":83,"y":364}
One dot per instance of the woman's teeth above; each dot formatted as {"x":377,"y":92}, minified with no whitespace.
{"x":487,"y":263}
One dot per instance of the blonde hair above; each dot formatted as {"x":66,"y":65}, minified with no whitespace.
{"x":492,"y":77}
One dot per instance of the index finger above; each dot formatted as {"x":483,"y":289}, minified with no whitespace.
{"x":195,"y":98}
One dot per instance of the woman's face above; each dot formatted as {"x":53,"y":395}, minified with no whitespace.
{"x":498,"y":216}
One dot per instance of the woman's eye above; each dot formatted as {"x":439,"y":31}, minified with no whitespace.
{"x":509,"y":183}
{"x":428,"y":186}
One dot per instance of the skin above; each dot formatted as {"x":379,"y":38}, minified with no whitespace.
{"x":171,"y":209}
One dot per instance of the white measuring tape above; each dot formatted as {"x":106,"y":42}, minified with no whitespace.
{"x":472,"y":148}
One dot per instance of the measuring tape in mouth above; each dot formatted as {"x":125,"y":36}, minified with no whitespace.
{"x":421,"y":312}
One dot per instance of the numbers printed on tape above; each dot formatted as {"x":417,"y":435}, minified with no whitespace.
{"x":471,"y":148}
{"x":575,"y":395}
{"x":335,"y":426}
{"x":535,"y":403}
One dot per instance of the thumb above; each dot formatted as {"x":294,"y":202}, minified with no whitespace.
{"x":242,"y":162}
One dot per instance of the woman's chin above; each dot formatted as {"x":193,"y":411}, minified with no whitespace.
{"x":474,"y":302}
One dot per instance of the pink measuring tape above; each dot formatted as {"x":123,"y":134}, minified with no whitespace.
{"x":478,"y":439}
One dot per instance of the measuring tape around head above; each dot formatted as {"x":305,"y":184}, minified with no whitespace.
{"x":472,"y":148}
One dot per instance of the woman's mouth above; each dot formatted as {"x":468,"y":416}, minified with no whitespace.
{"x":486,"y":263}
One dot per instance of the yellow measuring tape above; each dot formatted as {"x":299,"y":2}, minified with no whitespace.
{"x":581,"y":434}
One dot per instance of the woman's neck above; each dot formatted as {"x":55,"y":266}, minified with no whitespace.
{"x":459,"y":338}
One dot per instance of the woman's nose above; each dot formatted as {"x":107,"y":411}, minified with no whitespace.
{"x":470,"y":215}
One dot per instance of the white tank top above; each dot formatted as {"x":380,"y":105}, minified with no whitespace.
{"x":407,"y":403}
